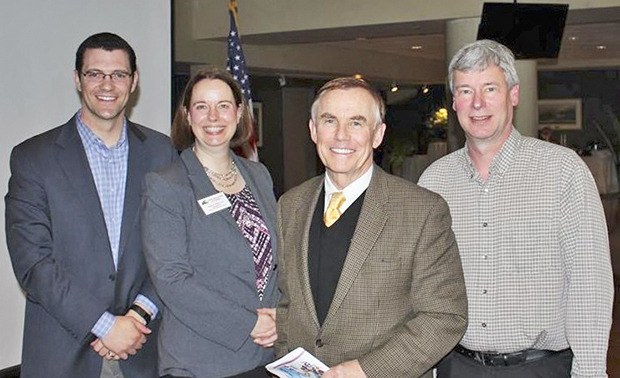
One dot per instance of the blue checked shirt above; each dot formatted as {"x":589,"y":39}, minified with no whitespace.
{"x":109,"y":169}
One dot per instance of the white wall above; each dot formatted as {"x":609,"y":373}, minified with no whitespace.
{"x":38,"y":40}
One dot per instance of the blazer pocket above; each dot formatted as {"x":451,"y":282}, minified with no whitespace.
{"x":384,"y":264}
{"x":386,"y":280}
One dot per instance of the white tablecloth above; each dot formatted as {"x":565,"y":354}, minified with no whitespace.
{"x":414,"y":166}
{"x":603,"y":168}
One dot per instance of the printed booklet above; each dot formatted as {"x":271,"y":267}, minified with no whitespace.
{"x":298,"y":364}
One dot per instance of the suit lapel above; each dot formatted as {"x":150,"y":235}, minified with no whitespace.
{"x":74,"y":163}
{"x":201,"y":185}
{"x":369,"y":227}
{"x":306,"y":209}
{"x":137,"y":165}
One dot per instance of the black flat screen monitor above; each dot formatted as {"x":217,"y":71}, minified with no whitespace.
{"x":530,"y":30}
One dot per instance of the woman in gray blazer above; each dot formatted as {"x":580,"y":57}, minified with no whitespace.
{"x":208,"y":225}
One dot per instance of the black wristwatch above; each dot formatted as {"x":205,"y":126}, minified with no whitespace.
{"x":140,"y":311}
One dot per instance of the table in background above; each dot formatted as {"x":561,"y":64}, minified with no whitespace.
{"x":603,"y":168}
{"x":414,"y":166}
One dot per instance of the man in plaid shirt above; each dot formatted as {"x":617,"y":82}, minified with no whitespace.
{"x":531,"y":233}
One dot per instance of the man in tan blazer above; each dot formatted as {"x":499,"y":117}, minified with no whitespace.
{"x":369,"y":268}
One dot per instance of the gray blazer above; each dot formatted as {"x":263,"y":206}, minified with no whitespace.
{"x":203,"y":270}
{"x":56,"y":235}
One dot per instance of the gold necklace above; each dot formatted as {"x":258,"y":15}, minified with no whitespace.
{"x":225,"y":180}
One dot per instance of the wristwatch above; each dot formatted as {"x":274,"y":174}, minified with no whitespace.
{"x":140,"y":311}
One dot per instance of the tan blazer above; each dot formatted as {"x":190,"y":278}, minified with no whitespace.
{"x":400,"y":304}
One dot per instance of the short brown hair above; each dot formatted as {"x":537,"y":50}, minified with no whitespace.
{"x":181,"y":133}
{"x":107,"y":42}
{"x":349,"y":82}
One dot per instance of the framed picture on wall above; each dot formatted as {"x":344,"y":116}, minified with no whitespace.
{"x":257,"y":107}
{"x":561,"y":114}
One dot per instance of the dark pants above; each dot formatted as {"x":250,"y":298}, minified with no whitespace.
{"x":455,"y":365}
{"x":259,"y":372}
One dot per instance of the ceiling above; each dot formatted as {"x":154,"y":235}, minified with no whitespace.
{"x":581,"y":42}
{"x":584,"y":41}
{"x":591,"y":39}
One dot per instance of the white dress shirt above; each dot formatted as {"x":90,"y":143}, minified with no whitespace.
{"x":351,"y":192}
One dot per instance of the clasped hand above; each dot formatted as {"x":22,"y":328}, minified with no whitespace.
{"x":264,"y":332}
{"x":125,"y":339}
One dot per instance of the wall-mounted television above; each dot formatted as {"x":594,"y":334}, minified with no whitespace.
{"x":530,"y":30}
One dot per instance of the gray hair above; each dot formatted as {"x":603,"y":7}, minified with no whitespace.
{"x":350,"y":83}
{"x":479,"y":55}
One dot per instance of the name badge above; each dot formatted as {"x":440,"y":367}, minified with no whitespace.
{"x":214,"y":203}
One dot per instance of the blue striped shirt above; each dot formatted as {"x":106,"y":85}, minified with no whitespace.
{"x":108,"y":166}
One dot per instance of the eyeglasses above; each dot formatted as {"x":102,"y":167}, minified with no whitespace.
{"x":94,"y":76}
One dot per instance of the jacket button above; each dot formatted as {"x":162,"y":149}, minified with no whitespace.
{"x":319,"y":343}
{"x":112,"y":277}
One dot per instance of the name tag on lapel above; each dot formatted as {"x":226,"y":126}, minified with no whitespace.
{"x":214,"y":203}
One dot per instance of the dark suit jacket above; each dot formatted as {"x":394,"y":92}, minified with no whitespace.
{"x":203,"y":270}
{"x":59,"y":247}
{"x":400,"y":303}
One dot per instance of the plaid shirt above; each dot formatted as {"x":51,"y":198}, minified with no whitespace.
{"x":109,"y":169}
{"x":534,"y":248}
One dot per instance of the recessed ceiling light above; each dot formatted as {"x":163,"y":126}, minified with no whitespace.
{"x":573,"y":38}
{"x":416,"y":47}
{"x":394,"y":88}
{"x":358,"y":76}
{"x":601,"y":47}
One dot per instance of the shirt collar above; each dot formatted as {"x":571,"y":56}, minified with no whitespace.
{"x":501,"y":161}
{"x":351,"y":192}
{"x":90,"y":138}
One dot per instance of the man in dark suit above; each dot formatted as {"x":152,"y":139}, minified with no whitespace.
{"x":370,"y":272}
{"x":73,"y":231}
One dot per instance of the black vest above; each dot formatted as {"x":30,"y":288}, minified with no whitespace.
{"x":327,"y":251}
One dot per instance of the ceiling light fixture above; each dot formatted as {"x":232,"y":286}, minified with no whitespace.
{"x":601,"y":47}
{"x":394,"y":88}
{"x":416,"y":47}
{"x":358,"y":76}
{"x":425,"y":89}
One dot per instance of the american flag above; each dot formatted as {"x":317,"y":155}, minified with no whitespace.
{"x":236,"y":65}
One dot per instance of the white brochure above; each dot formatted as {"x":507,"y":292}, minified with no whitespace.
{"x":298,"y":363}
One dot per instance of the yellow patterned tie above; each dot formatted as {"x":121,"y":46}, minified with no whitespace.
{"x":333,"y":209}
